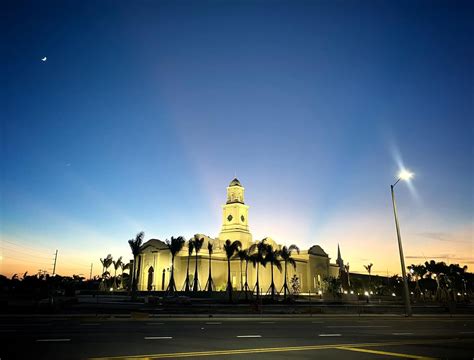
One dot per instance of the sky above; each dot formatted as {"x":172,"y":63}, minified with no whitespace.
{"x":144,"y":111}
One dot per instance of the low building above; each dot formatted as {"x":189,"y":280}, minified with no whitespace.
{"x":312,"y":265}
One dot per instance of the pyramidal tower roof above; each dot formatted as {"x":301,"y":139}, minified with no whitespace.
{"x":235,"y":182}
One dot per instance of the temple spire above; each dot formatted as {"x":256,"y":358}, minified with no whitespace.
{"x":339,"y":260}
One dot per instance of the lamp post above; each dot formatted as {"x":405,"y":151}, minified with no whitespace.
{"x":404,"y":175}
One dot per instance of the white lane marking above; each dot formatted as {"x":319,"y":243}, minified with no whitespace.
{"x":90,"y":324}
{"x":213,"y":323}
{"x":267,"y":322}
{"x":249,"y":336}
{"x":327,"y":335}
{"x":155,"y":323}
{"x":317,"y":322}
{"x":358,"y":326}
{"x":405,"y":333}
{"x":467,"y":332}
{"x":52,"y":340}
{"x":157,"y":337}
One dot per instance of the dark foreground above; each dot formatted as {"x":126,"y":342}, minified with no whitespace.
{"x":330,"y":337}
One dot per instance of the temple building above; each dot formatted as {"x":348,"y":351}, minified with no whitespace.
{"x":312,"y":265}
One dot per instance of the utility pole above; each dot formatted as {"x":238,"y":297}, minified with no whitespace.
{"x":90,"y":274}
{"x":55,"y":259}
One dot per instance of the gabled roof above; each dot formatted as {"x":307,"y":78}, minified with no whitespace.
{"x":317,"y":250}
{"x":155,"y":244}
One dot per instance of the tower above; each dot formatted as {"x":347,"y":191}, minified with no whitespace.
{"x":235,"y":216}
{"x":339,"y":260}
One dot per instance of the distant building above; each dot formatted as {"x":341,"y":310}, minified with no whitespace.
{"x":312,"y":265}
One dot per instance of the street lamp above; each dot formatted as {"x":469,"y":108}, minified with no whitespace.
{"x":403,"y":175}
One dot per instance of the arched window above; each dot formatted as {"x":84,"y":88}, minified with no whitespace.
{"x":150,"y":278}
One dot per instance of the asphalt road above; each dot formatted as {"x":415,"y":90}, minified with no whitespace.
{"x":344,"y":337}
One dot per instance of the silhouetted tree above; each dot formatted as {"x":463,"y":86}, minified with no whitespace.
{"x":273,"y":257}
{"x":106,"y":262}
{"x":187,"y":282}
{"x":230,"y":249}
{"x":210,"y":283}
{"x":174,"y":245}
{"x":117,"y":263}
{"x":286,"y":255}
{"x":258,"y":258}
{"x":369,"y":270}
{"x":242,"y":255}
{"x":135,"y":246}
{"x":197,"y":247}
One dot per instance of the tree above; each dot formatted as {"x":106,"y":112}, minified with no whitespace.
{"x":190,"y":253}
{"x":210,"y":283}
{"x":230,"y":249}
{"x":437,"y":270}
{"x":106,"y":262}
{"x":125,"y":266}
{"x":174,"y":245}
{"x":273,"y":257}
{"x":197,"y":247}
{"x":295,"y":284}
{"x":135,"y":246}
{"x":369,"y":270}
{"x":117,"y":263}
{"x":333,"y":285}
{"x":286,"y":255}
{"x":258,"y":258}
{"x":242,"y":255}
{"x":417,"y":271}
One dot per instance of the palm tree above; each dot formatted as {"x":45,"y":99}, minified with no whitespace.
{"x":174,"y":245}
{"x":418,"y":271}
{"x":230,"y":249}
{"x":273,"y":257}
{"x":135,"y":246}
{"x":124,"y":266}
{"x":285,"y":254}
{"x":117,"y":264}
{"x":438,"y":271}
{"x":210,"y":283}
{"x":369,"y":270}
{"x":248,"y":258}
{"x":242,"y":255}
{"x":258,"y":258}
{"x":197,"y":247}
{"x":106,"y":262}
{"x":190,"y":252}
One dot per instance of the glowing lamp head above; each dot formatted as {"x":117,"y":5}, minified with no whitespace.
{"x":405,"y":174}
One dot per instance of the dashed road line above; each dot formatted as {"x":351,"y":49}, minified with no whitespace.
{"x":158,"y":337}
{"x":358,"y":326}
{"x":53,"y":340}
{"x":329,"y":335}
{"x":402,"y":333}
{"x":249,"y":336}
{"x":213,"y":323}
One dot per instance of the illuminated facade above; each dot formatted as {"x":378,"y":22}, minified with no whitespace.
{"x":312,"y":265}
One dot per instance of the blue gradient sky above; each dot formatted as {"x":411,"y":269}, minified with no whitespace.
{"x":144,"y":112}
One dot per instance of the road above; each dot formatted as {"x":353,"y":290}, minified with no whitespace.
{"x":331,"y":337}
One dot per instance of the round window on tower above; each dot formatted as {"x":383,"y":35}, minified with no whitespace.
{"x":229,"y":218}
{"x":242,"y":218}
